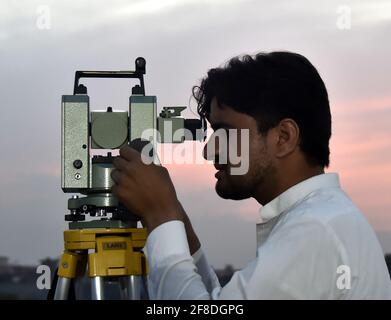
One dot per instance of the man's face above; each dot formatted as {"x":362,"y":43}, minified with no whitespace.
{"x":260,"y":165}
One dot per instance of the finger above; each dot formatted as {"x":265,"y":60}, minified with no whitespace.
{"x":121,"y":164}
{"x":114,"y":189}
{"x":129,"y":153}
{"x":117,"y":176}
{"x":118,"y":192}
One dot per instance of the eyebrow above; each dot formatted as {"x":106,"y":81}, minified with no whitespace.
{"x":221,"y":125}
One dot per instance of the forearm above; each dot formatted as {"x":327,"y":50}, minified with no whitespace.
{"x":172,"y":272}
{"x":176,"y":213}
{"x":208,"y":276}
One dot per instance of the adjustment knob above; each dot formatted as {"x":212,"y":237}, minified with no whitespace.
{"x":77,"y":164}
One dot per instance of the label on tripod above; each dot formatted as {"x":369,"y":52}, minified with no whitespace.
{"x":114,"y":245}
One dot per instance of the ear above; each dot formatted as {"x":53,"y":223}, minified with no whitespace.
{"x":288,"y":137}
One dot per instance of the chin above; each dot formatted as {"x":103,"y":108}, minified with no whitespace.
{"x":229,"y":192}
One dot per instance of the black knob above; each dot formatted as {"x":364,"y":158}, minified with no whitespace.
{"x":137,"y":89}
{"x":77,"y":164}
{"x":75,"y":217}
{"x":140,"y":65}
{"x":81,"y":89}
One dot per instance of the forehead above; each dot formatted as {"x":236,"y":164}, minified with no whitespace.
{"x":222,"y":115}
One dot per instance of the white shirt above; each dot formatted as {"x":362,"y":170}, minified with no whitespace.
{"x":313,"y":243}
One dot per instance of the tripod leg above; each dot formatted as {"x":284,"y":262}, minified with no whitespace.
{"x":123,"y":285}
{"x":144,"y":288}
{"x":131,"y":287}
{"x":62,"y":288}
{"x":97,"y":292}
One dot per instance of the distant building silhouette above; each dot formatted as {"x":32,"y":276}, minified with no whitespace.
{"x":19,"y":282}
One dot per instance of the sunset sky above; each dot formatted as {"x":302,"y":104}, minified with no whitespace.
{"x":181,"y":40}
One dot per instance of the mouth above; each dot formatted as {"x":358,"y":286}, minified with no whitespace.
{"x":220,"y":170}
{"x":219,"y":167}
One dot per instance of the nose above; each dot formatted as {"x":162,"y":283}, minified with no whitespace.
{"x":209,"y":154}
{"x":212,"y":149}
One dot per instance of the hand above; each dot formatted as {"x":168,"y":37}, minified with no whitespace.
{"x":146,"y":190}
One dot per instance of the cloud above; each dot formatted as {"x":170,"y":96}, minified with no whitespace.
{"x":74,"y":16}
{"x":372,"y":12}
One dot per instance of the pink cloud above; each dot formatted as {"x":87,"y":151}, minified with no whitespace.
{"x":360,"y":106}
{"x":361,"y":153}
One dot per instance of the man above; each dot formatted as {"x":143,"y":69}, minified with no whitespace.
{"x":313,"y":243}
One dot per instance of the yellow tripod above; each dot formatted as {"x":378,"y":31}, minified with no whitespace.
{"x":116,"y":255}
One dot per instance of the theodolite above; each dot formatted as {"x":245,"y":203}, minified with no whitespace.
{"x":109,"y":245}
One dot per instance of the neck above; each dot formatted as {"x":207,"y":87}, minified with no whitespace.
{"x":273,"y":186}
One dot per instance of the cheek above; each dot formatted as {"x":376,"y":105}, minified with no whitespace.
{"x":259,"y":153}
{"x":238,"y":146}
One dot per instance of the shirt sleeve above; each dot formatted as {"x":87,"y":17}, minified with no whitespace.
{"x":208,"y":276}
{"x":173,"y":272}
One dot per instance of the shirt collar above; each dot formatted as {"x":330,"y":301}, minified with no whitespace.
{"x":296,"y":193}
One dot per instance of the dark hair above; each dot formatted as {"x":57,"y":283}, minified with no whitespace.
{"x":271,"y":87}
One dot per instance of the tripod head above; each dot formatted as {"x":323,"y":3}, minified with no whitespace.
{"x":84,"y":130}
